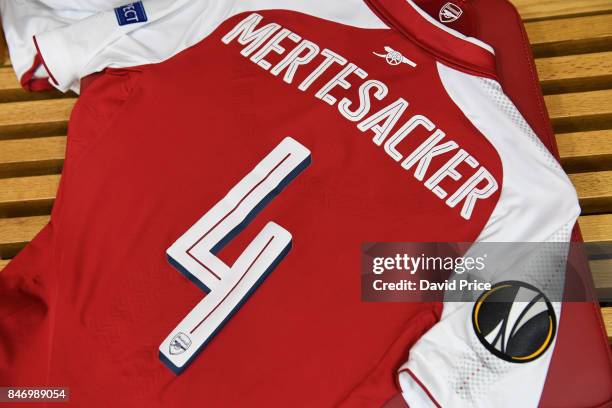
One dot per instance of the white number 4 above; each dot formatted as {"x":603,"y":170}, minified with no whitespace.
{"x":193,"y":254}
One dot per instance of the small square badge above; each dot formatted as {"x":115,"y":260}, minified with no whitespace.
{"x":131,"y":13}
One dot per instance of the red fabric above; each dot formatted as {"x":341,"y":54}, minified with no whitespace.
{"x":29,"y":83}
{"x":454,"y":51}
{"x":381,"y":381}
{"x":138,"y":176}
{"x":580,"y":325}
{"x":28,"y":287}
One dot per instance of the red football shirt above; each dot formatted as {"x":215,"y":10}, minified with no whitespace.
{"x":276,"y":146}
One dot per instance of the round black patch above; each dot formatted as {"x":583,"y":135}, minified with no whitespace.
{"x":515,"y":321}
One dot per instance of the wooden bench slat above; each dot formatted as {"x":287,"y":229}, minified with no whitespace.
{"x":8,"y":79}
{"x":27,"y":195}
{"x":541,"y":9}
{"x":596,"y":228}
{"x":20,"y":229}
{"x":570,"y":35}
{"x":602,"y":272}
{"x":35,"y":116}
{"x":585,"y":151}
{"x":573,"y":73}
{"x":580,"y":110}
{"x":3,"y":263}
{"x":16,"y":232}
{"x":606,"y":313}
{"x":11,"y":90}
{"x":23,"y":157}
{"x":21,"y":113}
{"x":4,"y":55}
{"x":594,"y":190}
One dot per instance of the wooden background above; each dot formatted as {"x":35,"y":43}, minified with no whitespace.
{"x":572,"y":43}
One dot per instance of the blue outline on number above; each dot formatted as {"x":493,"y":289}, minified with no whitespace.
{"x":179,"y":370}
{"x":261,"y":205}
{"x":219,"y":246}
{"x":187,"y":274}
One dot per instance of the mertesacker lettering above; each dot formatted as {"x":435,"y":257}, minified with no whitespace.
{"x":260,"y":41}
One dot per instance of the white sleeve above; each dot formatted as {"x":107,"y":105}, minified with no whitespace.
{"x":78,"y":37}
{"x":129,"y":35}
{"x":450,"y":366}
{"x":23,"y":19}
{"x":151,"y":31}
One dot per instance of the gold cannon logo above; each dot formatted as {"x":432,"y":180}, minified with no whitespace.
{"x":515,"y":321}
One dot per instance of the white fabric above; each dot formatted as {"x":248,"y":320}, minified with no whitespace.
{"x":22,"y":19}
{"x":77,"y":38}
{"x":537,"y":204}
